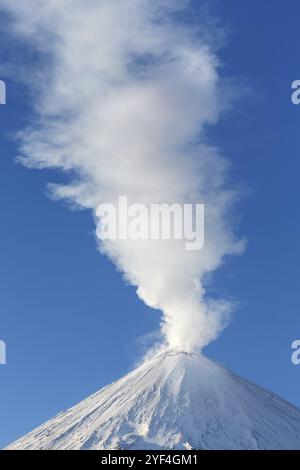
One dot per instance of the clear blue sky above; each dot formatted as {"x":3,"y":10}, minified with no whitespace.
{"x":70,"y":323}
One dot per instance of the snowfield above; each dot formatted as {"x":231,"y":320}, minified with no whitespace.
{"x":173,"y":401}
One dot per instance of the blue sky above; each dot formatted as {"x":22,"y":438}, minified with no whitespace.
{"x":72,"y":325}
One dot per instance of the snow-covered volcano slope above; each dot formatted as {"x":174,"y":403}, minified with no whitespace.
{"x":174,"y":401}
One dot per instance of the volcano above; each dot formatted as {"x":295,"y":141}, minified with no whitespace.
{"x":175,"y":400}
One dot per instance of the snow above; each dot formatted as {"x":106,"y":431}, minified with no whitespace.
{"x":173,"y":401}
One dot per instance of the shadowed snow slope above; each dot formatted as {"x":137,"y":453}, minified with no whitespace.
{"x":174,"y":401}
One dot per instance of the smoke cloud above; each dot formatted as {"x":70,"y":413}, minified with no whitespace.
{"x":124,"y":91}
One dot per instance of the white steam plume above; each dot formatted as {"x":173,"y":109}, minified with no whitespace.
{"x":125,"y":93}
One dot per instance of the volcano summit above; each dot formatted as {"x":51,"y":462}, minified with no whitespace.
{"x":175,"y":400}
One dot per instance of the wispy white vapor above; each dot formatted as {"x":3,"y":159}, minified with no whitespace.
{"x":123,"y":103}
